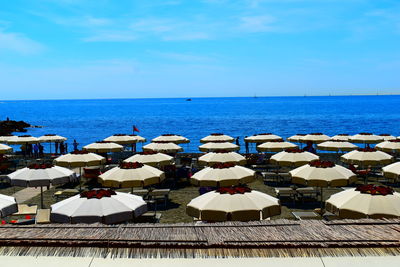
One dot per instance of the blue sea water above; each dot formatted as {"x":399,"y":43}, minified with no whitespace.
{"x":92,"y":120}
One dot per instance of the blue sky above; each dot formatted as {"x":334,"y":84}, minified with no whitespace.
{"x":64,"y":49}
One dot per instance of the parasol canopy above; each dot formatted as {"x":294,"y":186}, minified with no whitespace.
{"x":367,"y":156}
{"x":133,"y":174}
{"x":98,"y":206}
{"x":218,"y":146}
{"x":222,"y":157}
{"x":322,"y":174}
{"x":233,"y":204}
{"x":173,"y":138}
{"x":103,"y":147}
{"x":293,"y":157}
{"x":336,"y":145}
{"x":163,"y":147}
{"x":217,"y":137}
{"x":275,"y":146}
{"x":366,"y":201}
{"x":223,"y":174}
{"x":262,"y":138}
{"x":8,"y":205}
{"x":124,"y":139}
{"x":151,"y":158}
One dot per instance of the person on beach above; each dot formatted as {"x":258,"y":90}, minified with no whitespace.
{"x":41,"y":149}
{"x":309,"y":147}
{"x":237,"y":141}
{"x":29,"y":149}
{"x":62,"y":148}
{"x":75,"y":144}
{"x":36,"y":150}
{"x":247,"y":145}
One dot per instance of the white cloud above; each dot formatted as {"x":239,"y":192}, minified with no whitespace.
{"x":185,"y":57}
{"x":187,"y":36}
{"x":262,"y":23}
{"x":111,"y":37}
{"x":19,"y":43}
{"x":153,"y":25}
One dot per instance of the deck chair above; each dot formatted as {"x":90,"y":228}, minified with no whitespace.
{"x":42,"y":216}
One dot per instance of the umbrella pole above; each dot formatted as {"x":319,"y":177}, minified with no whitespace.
{"x":41,"y":197}
{"x":322,"y":200}
{"x":80,"y":179}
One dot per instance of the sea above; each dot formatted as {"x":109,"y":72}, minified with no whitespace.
{"x":88,"y":121}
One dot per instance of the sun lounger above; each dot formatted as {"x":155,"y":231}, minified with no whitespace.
{"x":149,"y":216}
{"x":286,"y":192}
{"x":66,"y":193}
{"x":24,"y":209}
{"x":140,"y":192}
{"x":160,"y":194}
{"x":43,"y":216}
{"x":303,"y":215}
{"x":307,"y":192}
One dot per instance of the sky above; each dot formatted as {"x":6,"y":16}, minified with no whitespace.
{"x":77,"y":49}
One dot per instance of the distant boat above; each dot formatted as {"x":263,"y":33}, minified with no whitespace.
{"x":188,"y":99}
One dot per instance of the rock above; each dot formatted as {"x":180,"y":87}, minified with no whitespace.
{"x":9,"y":126}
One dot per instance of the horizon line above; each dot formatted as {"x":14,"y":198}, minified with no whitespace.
{"x":199,"y":97}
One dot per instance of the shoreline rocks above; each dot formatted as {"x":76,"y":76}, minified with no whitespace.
{"x":8,"y":127}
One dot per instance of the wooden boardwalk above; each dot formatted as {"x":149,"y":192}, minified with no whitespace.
{"x":266,"y":238}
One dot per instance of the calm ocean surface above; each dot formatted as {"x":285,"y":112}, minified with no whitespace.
{"x":92,"y":120}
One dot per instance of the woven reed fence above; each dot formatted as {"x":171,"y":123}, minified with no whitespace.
{"x":276,"y":238}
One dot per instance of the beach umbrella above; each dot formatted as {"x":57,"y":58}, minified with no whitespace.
{"x":365,"y":201}
{"x":223,"y":174}
{"x":233,"y":204}
{"x":133,"y":174}
{"x":387,"y":137}
{"x":367,"y":156}
{"x":173,"y":138}
{"x":296,"y":138}
{"x":222,"y":157}
{"x":5,"y":138}
{"x":366,"y":138}
{"x":392,"y":171}
{"x":322,"y":174}
{"x":262,"y":138}
{"x":293,"y":157}
{"x":218,"y":146}
{"x":39,"y":175}
{"x":164,"y":147}
{"x":151,"y":158}
{"x":125,"y":139}
{"x":51,"y":138}
{"x":98,"y":206}
{"x":389,"y":146}
{"x":275,"y":146}
{"x":336,"y":145}
{"x":103,"y":147}
{"x":79,"y":159}
{"x":315,"y":138}
{"x":22,"y":139}
{"x":4,"y":149}
{"x":217,"y":137}
{"x":341,"y":137}
{"x":8,"y":205}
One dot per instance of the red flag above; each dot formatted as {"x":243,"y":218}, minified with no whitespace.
{"x":135,"y":129}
